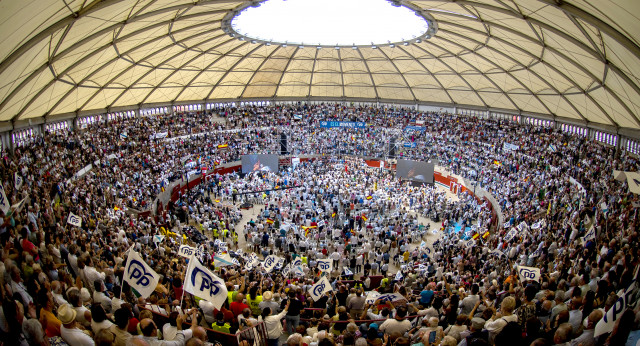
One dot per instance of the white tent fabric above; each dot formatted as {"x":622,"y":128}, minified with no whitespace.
{"x":574,"y":59}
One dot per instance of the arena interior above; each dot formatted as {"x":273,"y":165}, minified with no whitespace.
{"x":319,"y":172}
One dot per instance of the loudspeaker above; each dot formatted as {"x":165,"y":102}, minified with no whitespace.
{"x":392,"y":148}
{"x":283,"y":144}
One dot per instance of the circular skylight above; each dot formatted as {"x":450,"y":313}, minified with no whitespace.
{"x":331,"y":22}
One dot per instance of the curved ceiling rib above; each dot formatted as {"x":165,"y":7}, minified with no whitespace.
{"x":565,"y":59}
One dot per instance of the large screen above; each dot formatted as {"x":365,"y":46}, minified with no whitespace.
{"x":260,"y":162}
{"x":418,"y":171}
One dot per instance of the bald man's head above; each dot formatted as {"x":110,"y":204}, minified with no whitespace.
{"x":200,"y":333}
{"x":594,"y":318}
{"x":148,"y":327}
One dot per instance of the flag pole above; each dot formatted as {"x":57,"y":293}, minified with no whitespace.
{"x":124,"y":277}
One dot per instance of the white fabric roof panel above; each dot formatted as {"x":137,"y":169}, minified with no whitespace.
{"x":579,"y":59}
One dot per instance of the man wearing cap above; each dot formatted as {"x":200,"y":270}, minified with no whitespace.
{"x":69,"y":331}
{"x":267,"y":302}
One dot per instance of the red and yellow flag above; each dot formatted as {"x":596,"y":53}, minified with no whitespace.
{"x":476,"y":236}
{"x":369,"y":197}
{"x":223,"y":146}
{"x":270,"y":221}
{"x":364,"y":218}
{"x":485,"y":235}
{"x":333,"y":215}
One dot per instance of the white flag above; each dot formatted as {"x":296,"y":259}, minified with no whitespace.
{"x":591,"y":234}
{"x":529,"y":273}
{"x":74,"y":219}
{"x":202,"y":283}
{"x":470,"y":243}
{"x":222,"y":260}
{"x":139,"y":275}
{"x":4,"y":202}
{"x":18,"y":180}
{"x":372,"y":297}
{"x":399,"y":276}
{"x":280,"y":263}
{"x":325,"y":265}
{"x":186,"y":251}
{"x":320,"y":288}
{"x":626,"y":299}
{"x":522,"y":226}
{"x":512,"y":233}
{"x":633,"y":180}
{"x":158,"y":238}
{"x":286,"y":270}
{"x":270,"y":263}
{"x":18,"y":206}
{"x":347,"y":271}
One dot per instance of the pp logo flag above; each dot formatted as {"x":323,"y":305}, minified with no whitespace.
{"x":591,"y":234}
{"x":320,"y":288}
{"x":270,"y":263}
{"x":325,"y":265}
{"x":4,"y":202}
{"x":512,"y":233}
{"x":399,"y":276}
{"x":470,"y":243}
{"x":18,"y":180}
{"x":74,"y":220}
{"x":529,"y":273}
{"x":347,"y":271}
{"x":186,"y":251}
{"x":139,"y":275}
{"x":202,"y":283}
{"x":626,"y":299}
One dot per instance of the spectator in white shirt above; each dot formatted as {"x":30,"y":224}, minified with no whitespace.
{"x":69,"y":331}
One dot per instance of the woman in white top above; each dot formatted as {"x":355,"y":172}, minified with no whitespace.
{"x":99,"y":319}
{"x":273,"y":323}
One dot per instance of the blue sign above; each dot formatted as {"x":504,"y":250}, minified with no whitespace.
{"x":415,"y":128}
{"x":410,"y":145}
{"x":347,"y":124}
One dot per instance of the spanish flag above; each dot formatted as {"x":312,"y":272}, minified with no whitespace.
{"x":223,"y":146}
{"x":364,"y":218}
{"x":306,"y":232}
{"x":270,"y":221}
{"x":476,"y":236}
{"x":116,"y":208}
{"x":217,"y":201}
{"x":497,"y":163}
{"x":485,"y":235}
{"x":333,"y":215}
{"x":369,"y":197}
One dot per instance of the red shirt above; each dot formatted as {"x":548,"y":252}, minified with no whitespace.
{"x":237,"y":307}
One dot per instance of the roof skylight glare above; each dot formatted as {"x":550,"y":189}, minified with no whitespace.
{"x":331,"y":23}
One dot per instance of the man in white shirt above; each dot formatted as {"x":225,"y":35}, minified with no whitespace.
{"x":397,"y":325}
{"x":90,"y":273}
{"x":150,"y":332}
{"x":17,"y":286}
{"x":69,"y":331}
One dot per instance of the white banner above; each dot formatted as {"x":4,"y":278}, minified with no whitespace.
{"x":325,"y":265}
{"x":222,"y":260}
{"x":508,"y":146}
{"x":74,"y":219}
{"x":390,"y":297}
{"x":529,"y":273}
{"x":202,"y":283}
{"x":4,"y":202}
{"x":161,"y":135}
{"x":626,"y":299}
{"x":347,"y":271}
{"x":139,"y":275}
{"x":158,"y":238}
{"x":633,"y":180}
{"x":320,"y":288}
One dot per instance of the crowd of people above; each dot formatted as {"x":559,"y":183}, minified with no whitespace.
{"x":63,"y":283}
